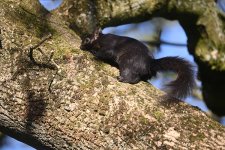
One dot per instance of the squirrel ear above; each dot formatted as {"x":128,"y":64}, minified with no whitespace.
{"x":97,"y":32}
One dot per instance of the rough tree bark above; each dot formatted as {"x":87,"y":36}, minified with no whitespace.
{"x":78,"y":103}
{"x":202,"y":21}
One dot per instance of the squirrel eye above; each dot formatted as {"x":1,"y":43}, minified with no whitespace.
{"x":87,"y":40}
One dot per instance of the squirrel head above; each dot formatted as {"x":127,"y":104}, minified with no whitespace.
{"x":88,"y":42}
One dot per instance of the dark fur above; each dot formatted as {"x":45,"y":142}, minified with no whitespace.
{"x":136,"y":62}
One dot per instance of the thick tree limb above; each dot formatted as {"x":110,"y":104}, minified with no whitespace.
{"x":88,"y":108}
{"x":202,"y":21}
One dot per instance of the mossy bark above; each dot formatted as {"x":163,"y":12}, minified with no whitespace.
{"x":202,"y":21}
{"x":84,"y":106}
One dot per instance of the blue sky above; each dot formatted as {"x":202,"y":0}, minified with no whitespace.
{"x":51,"y":4}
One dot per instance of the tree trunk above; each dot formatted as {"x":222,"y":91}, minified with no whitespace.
{"x":75,"y":101}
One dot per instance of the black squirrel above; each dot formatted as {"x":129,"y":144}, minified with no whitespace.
{"x":137,"y":63}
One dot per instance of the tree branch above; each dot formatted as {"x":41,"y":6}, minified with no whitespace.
{"x":87,"y":108}
{"x":201,"y":20}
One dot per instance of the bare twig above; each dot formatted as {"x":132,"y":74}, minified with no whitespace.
{"x":50,"y":64}
{"x":42,"y":65}
{"x":158,"y":43}
{"x":1,"y":47}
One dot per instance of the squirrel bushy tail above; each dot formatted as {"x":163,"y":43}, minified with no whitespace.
{"x":182,"y":86}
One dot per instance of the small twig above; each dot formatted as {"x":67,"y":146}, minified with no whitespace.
{"x":58,"y":71}
{"x":42,"y":41}
{"x":51,"y":56}
{"x":1,"y":46}
{"x":158,"y":43}
{"x":51,"y":64}
{"x":42,"y":65}
{"x":51,"y":82}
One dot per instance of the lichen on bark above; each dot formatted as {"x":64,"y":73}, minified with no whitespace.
{"x":87,"y":107}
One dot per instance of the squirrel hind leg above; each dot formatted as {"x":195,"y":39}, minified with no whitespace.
{"x":127,"y":76}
